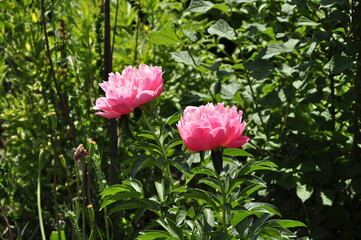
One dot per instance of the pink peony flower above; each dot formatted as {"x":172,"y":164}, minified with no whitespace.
{"x":125,"y":92}
{"x":211,"y":127}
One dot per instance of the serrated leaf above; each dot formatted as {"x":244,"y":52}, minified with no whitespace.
{"x":222,"y":29}
{"x":199,"y":6}
{"x":166,"y":36}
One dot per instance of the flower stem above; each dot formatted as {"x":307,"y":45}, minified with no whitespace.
{"x":224,"y":211}
{"x":39,"y":204}
{"x":166,"y":169}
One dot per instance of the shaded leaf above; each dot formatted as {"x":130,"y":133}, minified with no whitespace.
{"x":222,"y":29}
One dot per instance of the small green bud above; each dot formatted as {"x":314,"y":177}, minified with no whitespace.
{"x":91,"y":212}
{"x":54,"y":121}
{"x":62,"y":160}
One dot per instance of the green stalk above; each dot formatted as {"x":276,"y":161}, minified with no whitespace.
{"x":166,"y":170}
{"x":106,"y":223}
{"x":39,"y":197}
{"x":224,"y":212}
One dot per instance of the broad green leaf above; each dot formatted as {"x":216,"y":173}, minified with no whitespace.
{"x":193,"y":36}
{"x":222,"y":29}
{"x":166,"y":36}
{"x":338,"y":64}
{"x":285,"y":223}
{"x":229,"y":90}
{"x":260,"y":68}
{"x":184,"y":57}
{"x":304,"y":192}
{"x":273,"y":50}
{"x":199,"y":6}
{"x":278,"y":48}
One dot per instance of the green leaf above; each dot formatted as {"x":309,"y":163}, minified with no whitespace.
{"x":303,"y":21}
{"x":210,"y":182}
{"x":153,"y":234}
{"x":55,"y":235}
{"x":135,"y":184}
{"x":209,"y":217}
{"x":267,"y":232}
{"x":171,"y":227}
{"x":140,"y":162}
{"x":166,"y":36}
{"x":172,"y":119}
{"x":115,"y":189}
{"x":160,"y":190}
{"x":338,"y":64}
{"x":136,"y":203}
{"x":239,"y":216}
{"x":199,"y":6}
{"x":304,"y":192}
{"x":278,"y":48}
{"x":236,"y":152}
{"x":327,"y":197}
{"x":285,"y":223}
{"x":222,"y":29}
{"x":262,"y":207}
{"x":184,"y":57}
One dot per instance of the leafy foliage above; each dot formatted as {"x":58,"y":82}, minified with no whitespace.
{"x":293,"y":67}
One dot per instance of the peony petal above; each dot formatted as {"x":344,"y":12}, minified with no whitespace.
{"x":122,"y":109}
{"x":144,"y":97}
{"x":238,"y":142}
{"x":108,"y":114}
{"x":194,"y":144}
{"x":217,"y":137}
